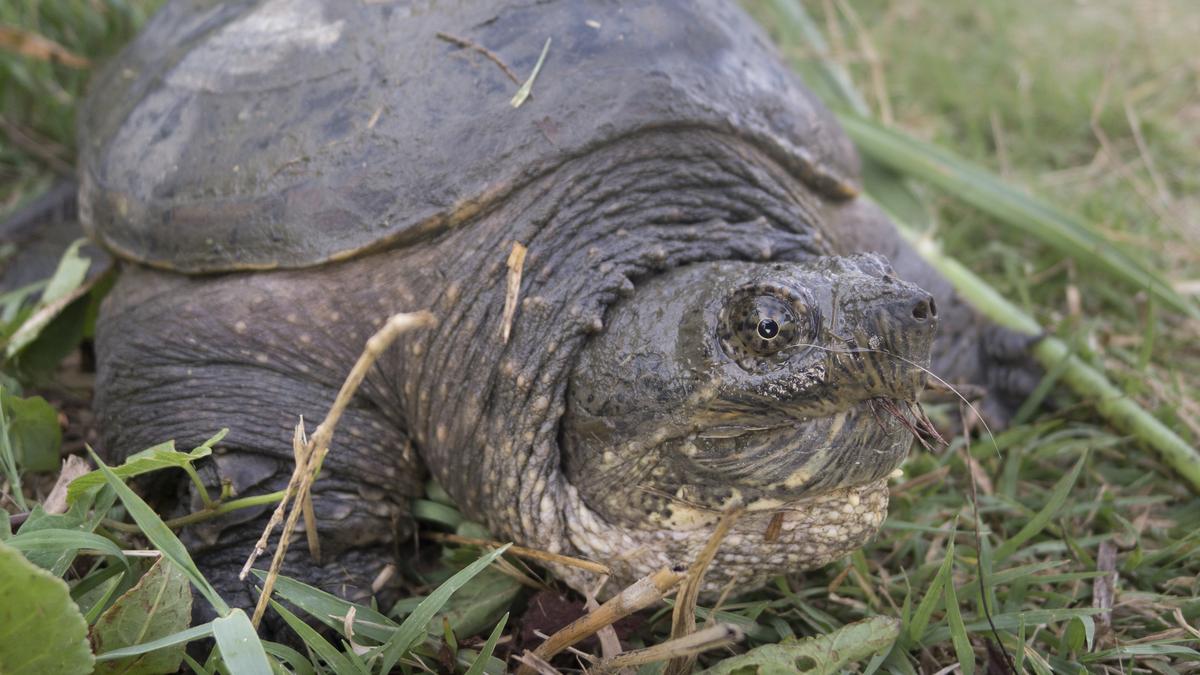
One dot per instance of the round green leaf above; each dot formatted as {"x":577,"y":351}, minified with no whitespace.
{"x":159,"y":605}
{"x":41,"y":629}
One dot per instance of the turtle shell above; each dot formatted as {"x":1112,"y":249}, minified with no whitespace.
{"x":261,"y":134}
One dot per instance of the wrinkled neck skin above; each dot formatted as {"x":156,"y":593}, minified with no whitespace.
{"x":487,"y":415}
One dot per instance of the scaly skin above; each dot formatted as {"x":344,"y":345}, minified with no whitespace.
{"x":180,"y":357}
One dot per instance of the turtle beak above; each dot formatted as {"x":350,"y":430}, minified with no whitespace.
{"x":892,"y":344}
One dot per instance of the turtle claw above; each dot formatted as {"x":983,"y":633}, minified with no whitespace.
{"x":1009,"y":373}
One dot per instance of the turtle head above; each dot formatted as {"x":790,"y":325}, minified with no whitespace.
{"x":753,"y":384}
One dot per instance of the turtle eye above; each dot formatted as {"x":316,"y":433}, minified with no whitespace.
{"x":768,"y":329}
{"x":760,"y":322}
{"x":765,"y":323}
{"x":761,"y":325}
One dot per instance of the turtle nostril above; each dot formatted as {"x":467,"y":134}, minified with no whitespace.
{"x":932,"y":308}
{"x":923,"y":310}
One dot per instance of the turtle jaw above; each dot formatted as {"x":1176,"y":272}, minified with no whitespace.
{"x":763,"y":543}
{"x":858,"y":445}
{"x":794,"y":516}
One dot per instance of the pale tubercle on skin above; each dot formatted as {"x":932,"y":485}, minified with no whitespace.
{"x":811,"y":532}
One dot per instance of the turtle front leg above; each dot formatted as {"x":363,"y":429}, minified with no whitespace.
{"x":181,"y":358}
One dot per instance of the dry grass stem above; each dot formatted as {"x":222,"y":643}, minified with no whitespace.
{"x":610,"y":644}
{"x":874,"y":63}
{"x":383,"y":578}
{"x":1187,"y":627}
{"x":299,"y":443}
{"x":73,"y":467}
{"x":683,"y":648}
{"x":308,"y":461}
{"x":300,"y":448}
{"x":683,"y":618}
{"x":519,"y":551}
{"x":48,"y":151}
{"x":34,"y":46}
{"x":519,"y":575}
{"x":639,"y":595}
{"x":526,"y":90}
{"x":532,"y":663}
{"x":1135,"y":126}
{"x":489,"y":54}
{"x":516,"y":263}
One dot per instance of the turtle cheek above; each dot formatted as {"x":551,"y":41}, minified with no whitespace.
{"x":808,"y":457}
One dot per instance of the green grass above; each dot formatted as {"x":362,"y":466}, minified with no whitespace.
{"x":1094,"y":106}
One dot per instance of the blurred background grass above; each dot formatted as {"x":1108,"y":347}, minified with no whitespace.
{"x":1095,"y":105}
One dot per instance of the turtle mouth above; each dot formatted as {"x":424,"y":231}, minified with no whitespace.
{"x":777,"y":461}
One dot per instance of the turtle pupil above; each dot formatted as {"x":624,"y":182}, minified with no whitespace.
{"x":768,"y":329}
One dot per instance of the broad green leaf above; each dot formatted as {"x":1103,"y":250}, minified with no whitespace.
{"x":182,"y":637}
{"x":161,"y":456}
{"x":57,"y":296}
{"x":820,"y":654}
{"x":158,"y":606}
{"x":12,"y":301}
{"x":57,"y":337}
{"x":41,"y":629}
{"x":55,"y":560}
{"x":415,"y":626}
{"x":1079,"y":633}
{"x":239,"y":644}
{"x":160,"y":535}
{"x":72,"y":270}
{"x":433,"y":512}
{"x":1033,"y":216}
{"x":65,"y":542}
{"x":33,"y":431}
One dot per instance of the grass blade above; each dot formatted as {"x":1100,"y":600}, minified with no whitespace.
{"x":239,"y":644}
{"x":1058,"y":497}
{"x":329,"y":609}
{"x":527,"y":88}
{"x":194,"y":633}
{"x":293,"y":658}
{"x":485,"y":654}
{"x":160,"y":535}
{"x":415,"y":626}
{"x":954,"y":620}
{"x":1014,"y":620}
{"x":1031,"y":215}
{"x":319,"y":645}
{"x":920,"y":619}
{"x":66,"y":540}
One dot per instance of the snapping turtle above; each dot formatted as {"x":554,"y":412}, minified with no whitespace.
{"x":709,"y":315}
